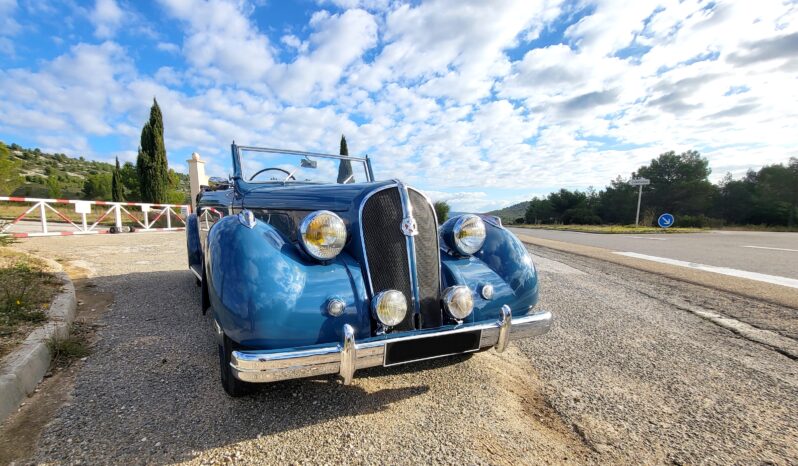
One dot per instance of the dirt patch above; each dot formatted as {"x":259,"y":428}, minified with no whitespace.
{"x":20,"y":433}
{"x":527,"y":412}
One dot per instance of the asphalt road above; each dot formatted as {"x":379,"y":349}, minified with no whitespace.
{"x":629,"y":373}
{"x":762,"y":252}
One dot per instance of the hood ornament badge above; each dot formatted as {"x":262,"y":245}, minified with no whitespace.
{"x":409,"y":226}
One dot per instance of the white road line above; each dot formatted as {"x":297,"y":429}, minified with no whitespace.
{"x":644,"y":237}
{"x":772,"y":249}
{"x":760,"y":277}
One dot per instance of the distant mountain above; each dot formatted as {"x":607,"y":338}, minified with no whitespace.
{"x":509,"y":214}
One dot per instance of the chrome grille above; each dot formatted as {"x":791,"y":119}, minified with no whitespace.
{"x":386,"y":249}
{"x":427,"y":261}
{"x":388,"y":253}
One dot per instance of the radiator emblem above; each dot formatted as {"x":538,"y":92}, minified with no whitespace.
{"x":409,"y":226}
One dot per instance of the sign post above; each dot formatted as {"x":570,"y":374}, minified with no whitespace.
{"x":639,"y":182}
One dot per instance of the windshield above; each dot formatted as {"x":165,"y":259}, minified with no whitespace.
{"x":273,"y":166}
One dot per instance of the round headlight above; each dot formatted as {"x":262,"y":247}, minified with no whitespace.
{"x":322,"y":234}
{"x":468,"y":234}
{"x":458,"y":301}
{"x":389,"y":307}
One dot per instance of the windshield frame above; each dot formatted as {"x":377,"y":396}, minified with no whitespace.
{"x":247,"y":185}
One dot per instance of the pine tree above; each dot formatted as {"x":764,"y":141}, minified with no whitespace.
{"x":345,"y":166}
{"x":117,"y":194}
{"x":152,"y":166}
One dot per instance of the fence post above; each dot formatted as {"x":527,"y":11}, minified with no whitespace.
{"x":43,"y":214}
{"x":118,"y":217}
{"x":169,"y":217}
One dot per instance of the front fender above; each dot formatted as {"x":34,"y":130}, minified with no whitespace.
{"x":502,"y":262}
{"x":267,"y":294}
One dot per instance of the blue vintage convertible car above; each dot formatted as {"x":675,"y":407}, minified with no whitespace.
{"x":312,"y":267}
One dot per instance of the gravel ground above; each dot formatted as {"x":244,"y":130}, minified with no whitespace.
{"x":625,"y":375}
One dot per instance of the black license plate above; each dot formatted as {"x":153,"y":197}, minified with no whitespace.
{"x":433,"y":347}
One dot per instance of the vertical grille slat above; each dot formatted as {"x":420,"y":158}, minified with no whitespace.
{"x":427,"y":261}
{"x":387,"y":252}
{"x":386,"y":247}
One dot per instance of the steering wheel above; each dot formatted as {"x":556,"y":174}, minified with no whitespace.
{"x":290,"y":176}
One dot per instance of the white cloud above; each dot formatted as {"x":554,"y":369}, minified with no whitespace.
{"x":168,"y":47}
{"x":338,"y":40}
{"x":221,"y":41}
{"x":8,"y":26}
{"x":106,"y":16}
{"x":456,"y":48}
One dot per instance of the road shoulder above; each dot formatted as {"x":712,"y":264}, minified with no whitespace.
{"x":776,"y":294}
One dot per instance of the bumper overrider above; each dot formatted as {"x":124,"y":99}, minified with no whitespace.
{"x":386,"y":350}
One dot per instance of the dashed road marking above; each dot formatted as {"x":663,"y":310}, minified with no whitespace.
{"x":760,"y":277}
{"x":644,"y":237}
{"x":772,"y":249}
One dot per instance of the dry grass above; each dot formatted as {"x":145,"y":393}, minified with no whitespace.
{"x":27,"y":286}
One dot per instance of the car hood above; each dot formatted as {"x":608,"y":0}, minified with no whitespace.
{"x":305,"y":197}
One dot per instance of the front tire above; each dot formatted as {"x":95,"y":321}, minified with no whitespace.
{"x":232,"y":386}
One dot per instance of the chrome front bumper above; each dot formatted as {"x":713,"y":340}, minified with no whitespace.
{"x":350,"y":355}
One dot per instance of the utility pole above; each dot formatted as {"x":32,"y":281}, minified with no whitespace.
{"x":639,"y":182}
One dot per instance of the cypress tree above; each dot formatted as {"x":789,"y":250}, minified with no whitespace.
{"x":151,"y":165}
{"x":344,"y":166}
{"x":117,"y":194}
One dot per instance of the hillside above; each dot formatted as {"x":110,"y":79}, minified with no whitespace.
{"x":69,"y":174}
{"x":510,"y":213}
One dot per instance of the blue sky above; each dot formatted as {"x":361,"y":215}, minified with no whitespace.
{"x":482,"y":104}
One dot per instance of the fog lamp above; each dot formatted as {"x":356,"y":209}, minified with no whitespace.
{"x":458,"y":302}
{"x":389,"y":307}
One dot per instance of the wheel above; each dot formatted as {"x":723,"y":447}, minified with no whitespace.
{"x":232,"y":385}
{"x":112,"y":230}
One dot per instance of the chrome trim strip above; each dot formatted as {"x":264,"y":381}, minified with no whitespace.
{"x":195,"y":273}
{"x":272,"y":366}
{"x":299,"y":152}
{"x":410,"y":242}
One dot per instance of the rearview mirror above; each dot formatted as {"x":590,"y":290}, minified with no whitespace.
{"x":307,"y":163}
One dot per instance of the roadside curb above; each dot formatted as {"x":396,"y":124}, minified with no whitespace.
{"x":22,"y":370}
{"x":775,"y":294}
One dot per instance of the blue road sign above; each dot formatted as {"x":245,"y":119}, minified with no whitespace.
{"x":665,"y":220}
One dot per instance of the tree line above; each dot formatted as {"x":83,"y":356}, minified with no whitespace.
{"x":679,"y":185}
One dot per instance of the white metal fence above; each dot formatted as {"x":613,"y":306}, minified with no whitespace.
{"x":74,"y":217}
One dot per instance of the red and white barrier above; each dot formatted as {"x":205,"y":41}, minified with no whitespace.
{"x":85,"y":207}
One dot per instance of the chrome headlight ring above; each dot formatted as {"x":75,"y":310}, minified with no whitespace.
{"x":468,"y":234}
{"x":322,"y":235}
